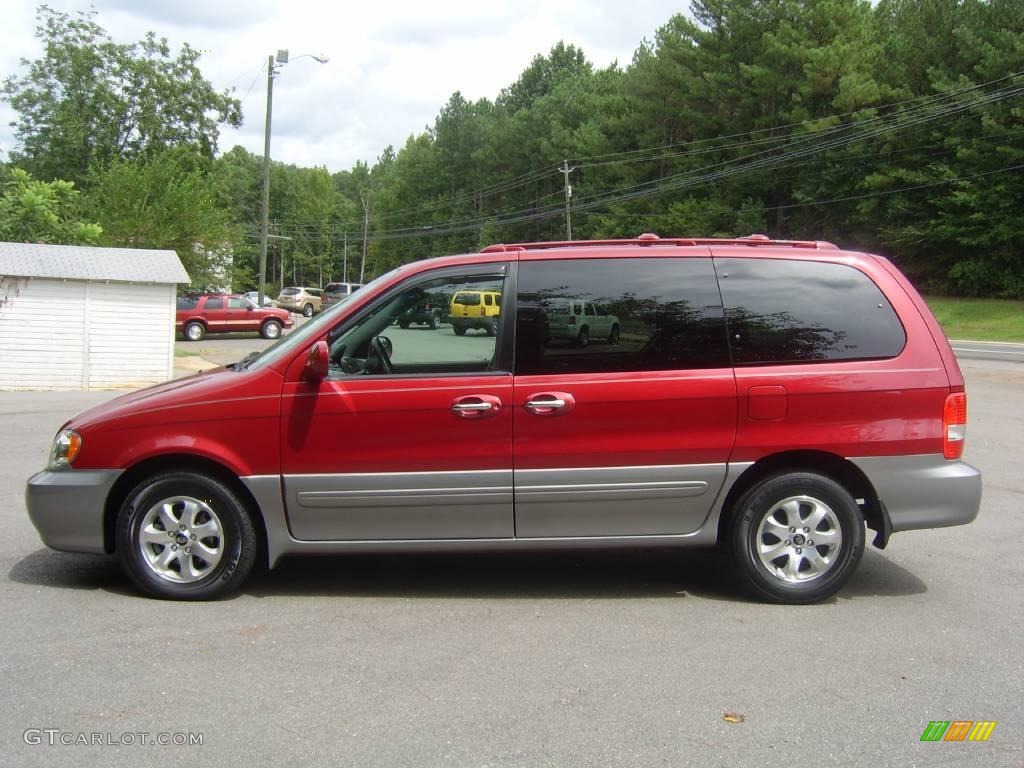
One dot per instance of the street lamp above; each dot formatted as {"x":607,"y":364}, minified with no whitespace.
{"x":282,"y":58}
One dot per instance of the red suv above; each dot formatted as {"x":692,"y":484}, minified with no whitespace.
{"x":776,"y":398}
{"x":226,"y":313}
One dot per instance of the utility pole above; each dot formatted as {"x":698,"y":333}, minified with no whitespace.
{"x":282,"y":58}
{"x":344,"y":268}
{"x":264,"y":216}
{"x":280,"y":252}
{"x":568,"y":196}
{"x":366,"y":227}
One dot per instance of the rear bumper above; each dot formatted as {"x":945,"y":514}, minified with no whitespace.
{"x":925,"y":491}
{"x":66,"y":507}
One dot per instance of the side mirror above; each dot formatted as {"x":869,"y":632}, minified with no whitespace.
{"x":317,"y":361}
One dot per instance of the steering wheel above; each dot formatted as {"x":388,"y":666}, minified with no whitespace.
{"x":380,"y":352}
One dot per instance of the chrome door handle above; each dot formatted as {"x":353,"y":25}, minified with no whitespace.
{"x":476,"y":406}
{"x":549,"y":403}
{"x":464,"y":407}
{"x":545,"y":403}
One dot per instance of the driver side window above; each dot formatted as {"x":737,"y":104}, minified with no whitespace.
{"x":444,"y":325}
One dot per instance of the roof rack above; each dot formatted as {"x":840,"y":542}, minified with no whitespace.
{"x":648,"y":239}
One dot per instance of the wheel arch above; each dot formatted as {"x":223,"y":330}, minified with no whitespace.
{"x":180,"y":462}
{"x":831,"y":465}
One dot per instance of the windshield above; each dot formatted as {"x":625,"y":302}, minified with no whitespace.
{"x":304,"y":335}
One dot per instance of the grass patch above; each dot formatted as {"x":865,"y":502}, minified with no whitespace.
{"x":979,"y":319}
{"x":179,"y":352}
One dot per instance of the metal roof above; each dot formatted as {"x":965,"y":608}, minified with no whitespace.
{"x":78,"y":262}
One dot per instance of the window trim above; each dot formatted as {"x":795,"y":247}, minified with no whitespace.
{"x":717,"y":259}
{"x":725,"y":364}
{"x":502,"y":358}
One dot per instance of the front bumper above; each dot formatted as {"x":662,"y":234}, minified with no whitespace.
{"x":66,"y":507}
{"x":926,"y":491}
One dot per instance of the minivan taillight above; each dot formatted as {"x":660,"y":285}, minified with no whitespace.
{"x":954,"y":425}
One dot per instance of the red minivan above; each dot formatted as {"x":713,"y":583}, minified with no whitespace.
{"x":773,"y":397}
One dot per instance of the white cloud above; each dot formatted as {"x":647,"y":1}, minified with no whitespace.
{"x":393,"y":63}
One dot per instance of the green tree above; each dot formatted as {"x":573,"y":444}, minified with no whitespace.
{"x":33,"y":211}
{"x":88,"y":100}
{"x":168,"y":201}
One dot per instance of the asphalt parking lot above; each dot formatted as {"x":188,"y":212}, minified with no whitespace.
{"x":555,"y":659}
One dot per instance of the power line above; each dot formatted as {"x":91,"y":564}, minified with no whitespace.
{"x":832,"y":201}
{"x":803,"y":123}
{"x":810,"y":203}
{"x":802,"y":147}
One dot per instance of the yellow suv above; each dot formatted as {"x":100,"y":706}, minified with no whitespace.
{"x":475,"y":309}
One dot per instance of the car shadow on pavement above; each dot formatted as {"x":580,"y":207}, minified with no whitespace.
{"x":879,"y":576}
{"x":556,"y":575}
{"x":607,"y":574}
{"x":604,"y":574}
{"x":64,"y":570}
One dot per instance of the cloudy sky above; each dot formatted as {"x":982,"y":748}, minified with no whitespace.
{"x":393,"y":63}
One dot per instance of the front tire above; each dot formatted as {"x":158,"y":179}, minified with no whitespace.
{"x":271,"y":330}
{"x":460,"y":330}
{"x":194,"y":331}
{"x":796,"y":538}
{"x":185,"y":536}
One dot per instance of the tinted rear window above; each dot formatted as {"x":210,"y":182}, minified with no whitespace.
{"x":187,"y":302}
{"x":660,"y":314}
{"x":787,"y":311}
{"x":467,"y":299}
{"x":290,"y":292}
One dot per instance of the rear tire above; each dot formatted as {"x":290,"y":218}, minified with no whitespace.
{"x":796,"y":538}
{"x":307,"y":310}
{"x":460,"y":330}
{"x":185,"y":536}
{"x":194,"y":331}
{"x":492,"y":328}
{"x":613,"y":337}
{"x":271,"y":330}
{"x":584,"y":338}
{"x":435,"y":322}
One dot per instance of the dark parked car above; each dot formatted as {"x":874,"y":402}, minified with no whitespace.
{"x":431,"y":310}
{"x":226,"y":313}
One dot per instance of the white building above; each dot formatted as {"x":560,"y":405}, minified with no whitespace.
{"x":76,"y":317}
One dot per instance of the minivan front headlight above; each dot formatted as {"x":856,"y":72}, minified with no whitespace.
{"x":66,"y":446}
